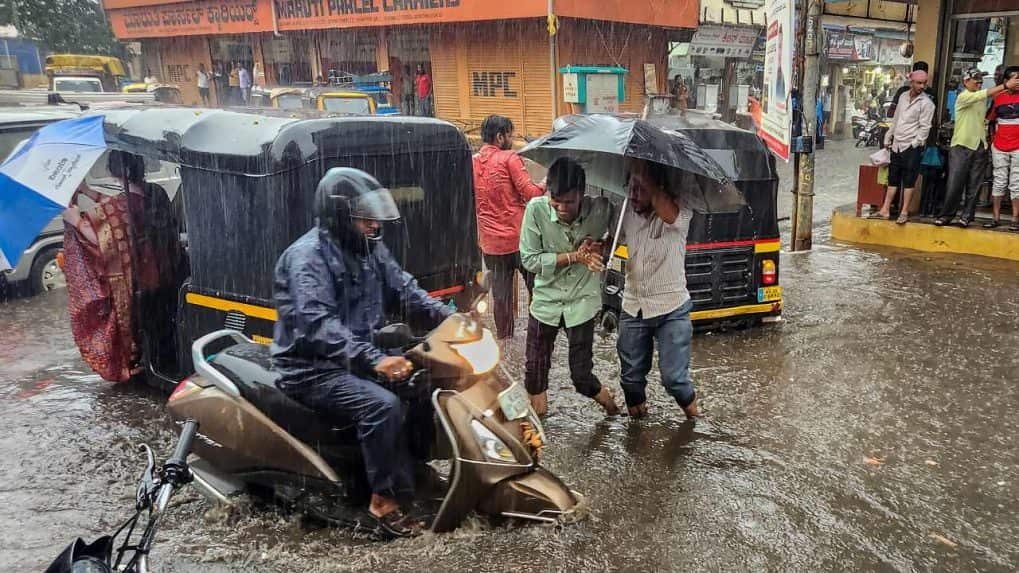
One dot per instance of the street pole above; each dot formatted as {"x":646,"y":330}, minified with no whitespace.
{"x":803,"y":207}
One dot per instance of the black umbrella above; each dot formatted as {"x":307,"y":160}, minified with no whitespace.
{"x":601,"y":143}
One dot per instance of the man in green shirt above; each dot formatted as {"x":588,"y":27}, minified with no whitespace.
{"x":561,"y":242}
{"x":968,"y":155}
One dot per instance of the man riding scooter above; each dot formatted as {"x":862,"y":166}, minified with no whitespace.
{"x":333,"y":288}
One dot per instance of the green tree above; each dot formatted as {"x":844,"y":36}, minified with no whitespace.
{"x":63,"y":26}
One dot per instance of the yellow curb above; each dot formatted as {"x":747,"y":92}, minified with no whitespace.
{"x":846,"y":226}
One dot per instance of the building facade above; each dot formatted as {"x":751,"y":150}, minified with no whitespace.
{"x":483,"y":56}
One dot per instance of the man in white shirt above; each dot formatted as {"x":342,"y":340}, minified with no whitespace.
{"x":656,"y":303}
{"x":244,"y":81}
{"x":906,"y":139}
{"x":202,"y":79}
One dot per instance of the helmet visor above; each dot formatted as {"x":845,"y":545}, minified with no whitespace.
{"x":375,"y":205}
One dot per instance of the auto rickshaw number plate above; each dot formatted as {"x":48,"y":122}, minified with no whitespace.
{"x":768,"y":294}
{"x":514,"y":402}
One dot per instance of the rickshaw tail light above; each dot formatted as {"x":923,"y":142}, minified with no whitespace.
{"x":768,"y":273}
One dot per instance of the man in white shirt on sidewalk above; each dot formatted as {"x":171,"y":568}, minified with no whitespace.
{"x":906,"y":139}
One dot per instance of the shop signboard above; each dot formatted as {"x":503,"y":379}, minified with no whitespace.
{"x":192,"y":18}
{"x":888,"y":53}
{"x":847,"y":46}
{"x":778,"y":73}
{"x":724,"y":41}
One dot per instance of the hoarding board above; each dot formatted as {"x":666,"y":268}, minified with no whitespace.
{"x":778,"y":77}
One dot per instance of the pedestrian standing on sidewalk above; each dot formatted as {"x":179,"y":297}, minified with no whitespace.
{"x":656,"y":303}
{"x":407,"y":90}
{"x":561,"y":243}
{"x":967,"y":157}
{"x":423,"y":83}
{"x":502,"y":188}
{"x":235,"y":84}
{"x":222,"y":88}
{"x":202,"y":80}
{"x":1005,"y":148}
{"x":906,"y":139}
{"x":244,"y":82}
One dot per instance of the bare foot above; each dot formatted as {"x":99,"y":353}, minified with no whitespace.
{"x":638,"y":411}
{"x":607,"y":401}
{"x":540,"y":403}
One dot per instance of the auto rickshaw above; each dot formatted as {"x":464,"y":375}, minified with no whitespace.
{"x":383,"y":99}
{"x":344,"y":101}
{"x":732,"y":259}
{"x":164,"y":93}
{"x":248,"y":182}
{"x":279,"y":98}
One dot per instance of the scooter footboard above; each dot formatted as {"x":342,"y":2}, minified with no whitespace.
{"x":537,"y":496}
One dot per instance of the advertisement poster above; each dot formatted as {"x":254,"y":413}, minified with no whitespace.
{"x":726,"y":41}
{"x":778,"y":77}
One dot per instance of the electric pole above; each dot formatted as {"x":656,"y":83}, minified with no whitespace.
{"x":803,"y":206}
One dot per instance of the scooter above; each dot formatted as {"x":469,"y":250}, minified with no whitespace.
{"x":153,"y":495}
{"x":258,"y":441}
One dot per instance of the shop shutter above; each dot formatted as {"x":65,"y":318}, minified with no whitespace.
{"x":538,"y":81}
{"x":494,"y":77}
{"x":443,"y":49}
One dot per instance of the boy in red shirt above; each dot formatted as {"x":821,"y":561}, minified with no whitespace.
{"x":502,"y":188}
{"x":1005,"y":151}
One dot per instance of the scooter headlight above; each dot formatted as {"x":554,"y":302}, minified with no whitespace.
{"x":491,"y":446}
{"x":482,"y":355}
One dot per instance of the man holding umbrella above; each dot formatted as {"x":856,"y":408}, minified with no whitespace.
{"x":656,"y":303}
{"x":664,"y":175}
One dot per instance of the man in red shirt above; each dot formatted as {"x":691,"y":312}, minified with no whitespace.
{"x":502,"y":188}
{"x":1005,"y":150}
{"x":423,"y":89}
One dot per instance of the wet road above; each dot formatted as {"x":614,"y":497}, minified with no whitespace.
{"x":871,"y":430}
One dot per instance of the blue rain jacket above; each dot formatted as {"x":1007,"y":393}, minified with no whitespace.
{"x":330,"y":302}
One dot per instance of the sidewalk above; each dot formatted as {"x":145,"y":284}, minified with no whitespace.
{"x":921,"y":234}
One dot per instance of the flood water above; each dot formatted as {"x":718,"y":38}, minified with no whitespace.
{"x":871,"y":430}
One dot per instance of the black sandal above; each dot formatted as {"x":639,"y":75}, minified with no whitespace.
{"x":963,"y":223}
{"x":940,"y":222}
{"x":396,"y":524}
{"x":1014,"y":226}
{"x":992,"y":224}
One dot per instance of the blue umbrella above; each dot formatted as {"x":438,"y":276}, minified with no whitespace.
{"x":39,"y":177}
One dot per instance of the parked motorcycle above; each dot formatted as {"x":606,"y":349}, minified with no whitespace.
{"x":257,"y":440}
{"x":858,"y":122}
{"x":154,"y":493}
{"x":873,"y":133}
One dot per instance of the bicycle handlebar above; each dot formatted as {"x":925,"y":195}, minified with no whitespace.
{"x":180,"y":453}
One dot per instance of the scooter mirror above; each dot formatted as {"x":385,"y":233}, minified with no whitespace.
{"x":397,"y":335}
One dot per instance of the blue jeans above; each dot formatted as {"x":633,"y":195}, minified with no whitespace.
{"x":637,"y":336}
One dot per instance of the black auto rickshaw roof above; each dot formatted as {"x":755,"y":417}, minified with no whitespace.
{"x":741,"y":153}
{"x":268,"y":141}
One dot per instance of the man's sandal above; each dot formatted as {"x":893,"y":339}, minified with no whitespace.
{"x":397,"y":524}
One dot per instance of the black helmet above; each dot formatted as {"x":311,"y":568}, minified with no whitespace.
{"x":345,"y":194}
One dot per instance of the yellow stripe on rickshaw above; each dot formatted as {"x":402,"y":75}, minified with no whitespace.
{"x":764,"y":246}
{"x":224,"y":305}
{"x":718,"y":313}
